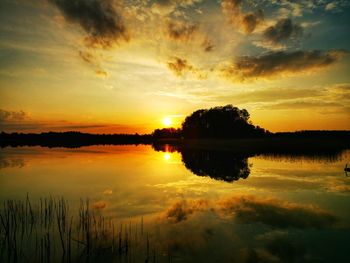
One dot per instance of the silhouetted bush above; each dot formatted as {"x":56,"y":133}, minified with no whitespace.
{"x":220,"y":122}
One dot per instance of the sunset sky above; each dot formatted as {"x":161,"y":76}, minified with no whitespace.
{"x":108,"y":66}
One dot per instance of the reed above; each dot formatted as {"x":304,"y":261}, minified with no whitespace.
{"x":48,"y":231}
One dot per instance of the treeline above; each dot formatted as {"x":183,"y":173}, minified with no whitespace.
{"x":309,"y":134}
{"x":227,"y":122}
{"x":70,"y":139}
{"x":218,"y":122}
{"x":171,"y":133}
{"x":169,"y":136}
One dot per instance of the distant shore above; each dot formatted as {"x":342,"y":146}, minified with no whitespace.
{"x":313,"y":141}
{"x":260,"y":145}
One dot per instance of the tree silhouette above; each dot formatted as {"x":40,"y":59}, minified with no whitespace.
{"x":220,"y":122}
{"x":219,"y":165}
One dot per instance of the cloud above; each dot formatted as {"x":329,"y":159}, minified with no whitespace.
{"x":101,"y":73}
{"x":247,"y":22}
{"x":250,"y":209}
{"x":285,"y":249}
{"x":99,"y":205}
{"x":91,"y":59}
{"x":181,"y":210}
{"x":231,"y":6}
{"x":272,"y":95}
{"x":282,"y":31}
{"x":342,"y":88}
{"x":163,"y":7}
{"x":181,"y":30}
{"x":275,"y":63}
{"x":301,"y":104}
{"x":88,"y":57}
{"x":166,"y":7}
{"x":108,"y":192}
{"x":324,"y":105}
{"x":275,"y":213}
{"x":10,"y":116}
{"x":180,"y":67}
{"x":251,"y":20}
{"x":207,"y":45}
{"x":101,"y":21}
{"x":31,"y":125}
{"x":330,"y":6}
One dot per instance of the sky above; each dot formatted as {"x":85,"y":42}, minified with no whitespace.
{"x":113,"y":66}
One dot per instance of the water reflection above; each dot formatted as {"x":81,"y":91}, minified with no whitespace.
{"x":293,"y":208}
{"x":229,"y":166}
{"x":11,"y":162}
{"x":219,"y":165}
{"x":167,"y":156}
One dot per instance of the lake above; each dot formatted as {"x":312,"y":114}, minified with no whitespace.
{"x":193,"y":205}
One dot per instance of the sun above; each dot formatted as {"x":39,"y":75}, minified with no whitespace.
{"x":167,"y":156}
{"x":167,"y":121}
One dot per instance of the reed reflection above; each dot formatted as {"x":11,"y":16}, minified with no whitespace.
{"x":11,"y":162}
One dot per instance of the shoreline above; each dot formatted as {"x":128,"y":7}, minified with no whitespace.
{"x":278,"y":144}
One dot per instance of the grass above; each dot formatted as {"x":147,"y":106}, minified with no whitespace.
{"x":47,"y":231}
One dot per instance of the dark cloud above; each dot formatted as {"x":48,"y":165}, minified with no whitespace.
{"x":251,"y":20}
{"x":247,"y":21}
{"x":181,"y":210}
{"x":282,"y":31}
{"x":181,"y":30}
{"x":99,"y":18}
{"x":286,"y":250}
{"x":275,"y":63}
{"x":277,"y":246}
{"x":88,"y":57}
{"x":250,"y":209}
{"x":276,"y":213}
{"x":207,"y":45}
{"x":8,"y":116}
{"x":180,"y":66}
{"x":101,"y":73}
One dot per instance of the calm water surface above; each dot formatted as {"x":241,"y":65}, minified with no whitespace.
{"x":203,"y":206}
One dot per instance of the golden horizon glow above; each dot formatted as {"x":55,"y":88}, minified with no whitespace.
{"x":167,"y":121}
{"x":129,"y":79}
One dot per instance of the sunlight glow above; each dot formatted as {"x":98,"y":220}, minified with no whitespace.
{"x":167,"y":121}
{"x":167,"y":156}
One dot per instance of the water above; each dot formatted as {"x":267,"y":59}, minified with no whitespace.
{"x":198,"y":205}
